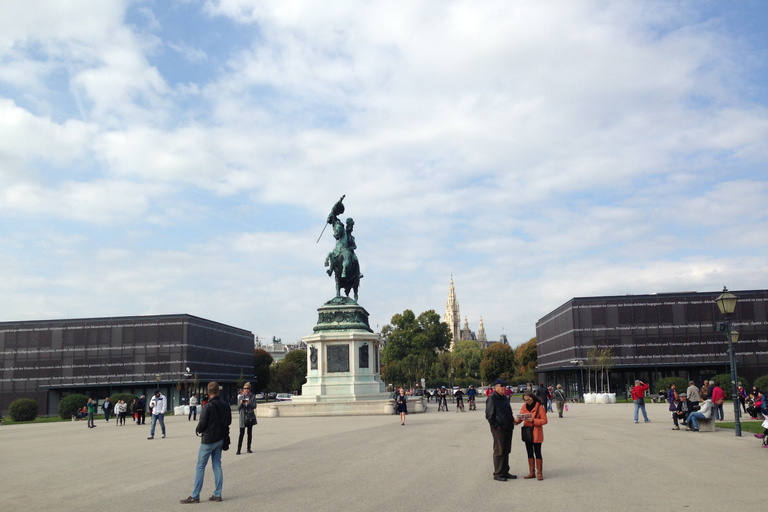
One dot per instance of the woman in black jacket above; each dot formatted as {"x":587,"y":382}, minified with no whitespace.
{"x":402,"y":405}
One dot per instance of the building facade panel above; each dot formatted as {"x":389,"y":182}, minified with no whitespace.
{"x":656,"y":335}
{"x":47,"y":360}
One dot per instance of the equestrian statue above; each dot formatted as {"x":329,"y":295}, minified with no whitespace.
{"x":342,"y":261}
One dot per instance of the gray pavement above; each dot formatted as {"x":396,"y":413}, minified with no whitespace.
{"x":595,"y":459}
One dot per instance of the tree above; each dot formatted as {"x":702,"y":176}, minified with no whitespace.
{"x":413,"y":343}
{"x":527,"y":357}
{"x":261,"y":362}
{"x":498,"y":362}
{"x":288,"y":375}
{"x":468,"y":354}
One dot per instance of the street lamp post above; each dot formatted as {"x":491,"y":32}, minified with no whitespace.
{"x":726,"y":302}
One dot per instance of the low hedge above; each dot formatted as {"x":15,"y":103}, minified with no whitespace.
{"x":761,"y":383}
{"x":23,"y":409}
{"x":680,"y":384}
{"x":70,"y":404}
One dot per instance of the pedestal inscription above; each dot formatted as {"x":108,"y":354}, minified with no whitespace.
{"x":338,"y":358}
{"x":364,"y":355}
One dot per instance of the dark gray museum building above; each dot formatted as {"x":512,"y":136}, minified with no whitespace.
{"x":652,"y":337}
{"x":47,"y":360}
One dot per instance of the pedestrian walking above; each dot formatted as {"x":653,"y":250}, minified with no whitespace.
{"x":559,"y":396}
{"x":106,"y":407}
{"x":213,"y":427}
{"x":533,"y":417}
{"x":159,"y":405}
{"x":692,"y":393}
{"x":401,"y":405}
{"x":246,"y":408}
{"x":498,"y":412}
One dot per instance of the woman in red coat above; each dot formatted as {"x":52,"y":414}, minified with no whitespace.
{"x":533,"y":414}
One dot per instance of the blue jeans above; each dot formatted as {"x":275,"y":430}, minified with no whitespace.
{"x":161,"y":419}
{"x":214,"y":452}
{"x":106,"y":415}
{"x":641,"y":407}
{"x":719,"y":412}
{"x":693,"y":419}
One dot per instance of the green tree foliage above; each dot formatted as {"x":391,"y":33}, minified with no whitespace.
{"x":288,"y":375}
{"x":469,"y":355}
{"x":527,"y":357}
{"x":23,"y":409}
{"x":261,"y":363}
{"x":70,"y":404}
{"x":724,"y":381}
{"x":498,"y":361}
{"x":413,"y":344}
{"x":761,"y":383}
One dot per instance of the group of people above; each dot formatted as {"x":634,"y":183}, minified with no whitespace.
{"x":119,"y":411}
{"x":533,"y":416}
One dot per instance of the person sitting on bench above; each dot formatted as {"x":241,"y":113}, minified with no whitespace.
{"x":704,"y":413}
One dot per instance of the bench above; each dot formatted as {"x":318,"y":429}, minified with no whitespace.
{"x":707,"y":425}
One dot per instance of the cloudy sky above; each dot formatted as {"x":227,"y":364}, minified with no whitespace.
{"x":163,"y":157}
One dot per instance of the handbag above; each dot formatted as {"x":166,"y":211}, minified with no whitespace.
{"x":527,"y":434}
{"x":719,"y":401}
{"x":641,"y":401}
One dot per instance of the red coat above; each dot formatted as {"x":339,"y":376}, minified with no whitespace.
{"x":539,"y":419}
{"x":717,"y":393}
{"x":639,"y":391}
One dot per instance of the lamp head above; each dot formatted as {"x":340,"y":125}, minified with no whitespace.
{"x":726,"y":302}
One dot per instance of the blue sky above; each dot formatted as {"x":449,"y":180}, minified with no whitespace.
{"x":181,"y":157}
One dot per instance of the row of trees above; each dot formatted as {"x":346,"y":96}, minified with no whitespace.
{"x":417,"y":347}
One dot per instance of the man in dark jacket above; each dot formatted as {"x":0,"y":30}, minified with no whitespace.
{"x":213,"y":426}
{"x":498,"y":412}
{"x":683,"y":409}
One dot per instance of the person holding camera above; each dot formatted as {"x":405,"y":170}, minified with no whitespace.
{"x":246,"y":407}
{"x":638,"y":397}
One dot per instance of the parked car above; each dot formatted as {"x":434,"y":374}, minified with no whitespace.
{"x":259,"y":396}
{"x":283,"y":397}
{"x":271,"y":395}
{"x":418,"y":392}
{"x":521,"y":388}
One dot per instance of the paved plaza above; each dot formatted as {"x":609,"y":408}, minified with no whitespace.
{"x":596,"y":458}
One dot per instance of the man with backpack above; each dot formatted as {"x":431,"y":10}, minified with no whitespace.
{"x":213,"y":428}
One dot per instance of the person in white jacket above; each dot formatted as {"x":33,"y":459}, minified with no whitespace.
{"x":159,"y":405}
{"x":704,"y":413}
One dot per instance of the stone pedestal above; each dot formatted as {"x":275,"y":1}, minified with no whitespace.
{"x":342,"y":357}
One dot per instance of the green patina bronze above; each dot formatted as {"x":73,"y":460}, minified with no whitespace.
{"x":342,"y":314}
{"x":342,"y":261}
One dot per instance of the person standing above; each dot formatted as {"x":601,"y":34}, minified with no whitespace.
{"x":693,"y":395}
{"x":498,"y":412}
{"x":550,"y":397}
{"x":159,"y":405}
{"x":704,"y":391}
{"x":141,"y":407}
{"x":559,"y":396}
{"x":401,"y":405}
{"x":193,"y":407}
{"x":213,"y":427}
{"x":92,"y":408}
{"x":246,"y":407}
{"x":672,"y":400}
{"x":638,"y":396}
{"x":718,"y":399}
{"x":743,"y":397}
{"x":106,"y":406}
{"x":123,"y":411}
{"x":442,"y":401}
{"x":533,"y":416}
